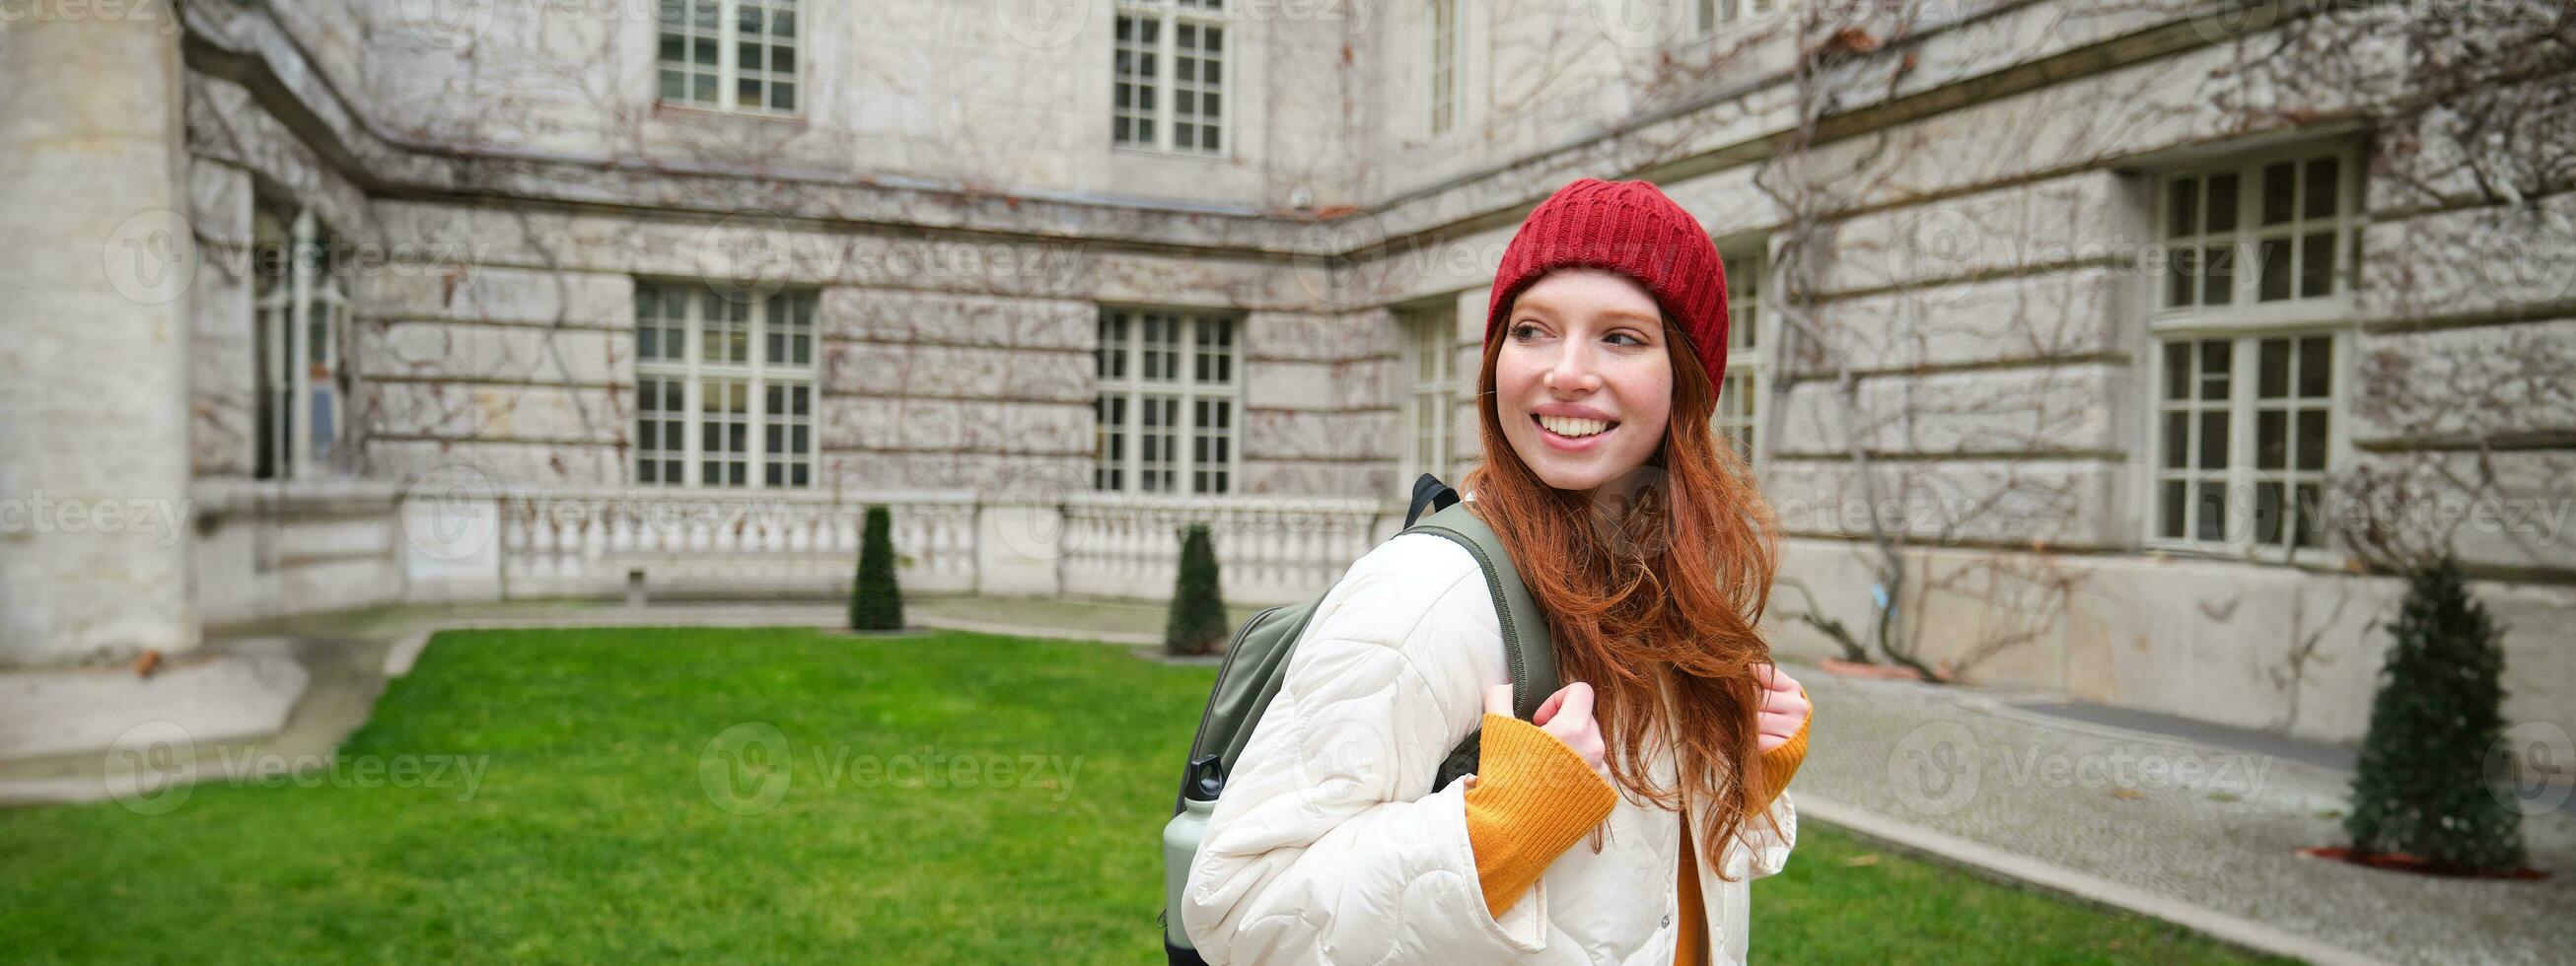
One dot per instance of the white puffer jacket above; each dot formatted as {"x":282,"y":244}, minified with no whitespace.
{"x":1330,"y":846}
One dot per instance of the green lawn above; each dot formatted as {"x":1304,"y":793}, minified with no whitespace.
{"x":851,"y":832}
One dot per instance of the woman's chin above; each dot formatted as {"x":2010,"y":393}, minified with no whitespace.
{"x":1578,"y":478}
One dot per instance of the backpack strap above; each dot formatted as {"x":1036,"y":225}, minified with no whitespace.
{"x":1529,"y":650}
{"x":1428,"y":491}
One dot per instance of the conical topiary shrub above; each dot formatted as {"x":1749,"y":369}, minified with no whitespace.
{"x":2421,"y":789}
{"x":1197,"y":625}
{"x":875,"y":603}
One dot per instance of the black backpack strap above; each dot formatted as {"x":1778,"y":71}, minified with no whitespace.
{"x":1429,"y":491}
{"x":1529,"y":649}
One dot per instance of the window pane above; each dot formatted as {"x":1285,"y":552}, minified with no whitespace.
{"x":2312,"y":439}
{"x":2267,"y":513}
{"x":2182,"y":214}
{"x":2223,"y":202}
{"x":2218,"y":282}
{"x":2316,"y":264}
{"x":2308,"y":529}
{"x":2214,"y":361}
{"x":2280,"y":189}
{"x":2211,"y":504}
{"x":2213,"y":440}
{"x":2316,"y":372}
{"x":2174,"y":505}
{"x":2271,"y":439}
{"x":2275,"y":270}
{"x":2273,"y":367}
{"x":2186,"y":271}
{"x":2177,"y":370}
{"x":2177,"y":441}
{"x":2321,"y":188}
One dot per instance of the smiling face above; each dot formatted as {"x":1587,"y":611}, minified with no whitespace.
{"x":1583,"y":382}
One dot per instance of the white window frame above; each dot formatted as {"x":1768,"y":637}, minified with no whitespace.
{"x":1430,"y":336}
{"x":300,"y":304}
{"x":2240,"y":479}
{"x":775,"y":315}
{"x":2181,"y":253}
{"x":1122,"y":390}
{"x":674,"y":20}
{"x":1738,"y":416}
{"x":1164,"y":82}
{"x":2245,"y":323}
{"x":1442,"y":82}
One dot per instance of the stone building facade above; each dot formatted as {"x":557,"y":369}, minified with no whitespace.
{"x":2060,"y":310}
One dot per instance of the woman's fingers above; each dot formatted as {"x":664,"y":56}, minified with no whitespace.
{"x":1773,"y":679}
{"x":1780,"y":723}
{"x":1498,"y":700}
{"x":1577,"y":699}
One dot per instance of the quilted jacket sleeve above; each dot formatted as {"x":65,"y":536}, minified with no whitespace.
{"x":1329,"y":845}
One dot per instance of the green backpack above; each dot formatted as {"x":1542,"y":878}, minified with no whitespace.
{"x":1257,"y":659}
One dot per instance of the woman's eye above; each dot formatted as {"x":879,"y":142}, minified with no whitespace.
{"x":1524,"y":330}
{"x":1630,"y":338}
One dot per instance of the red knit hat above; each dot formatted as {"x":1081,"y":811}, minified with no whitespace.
{"x":1630,"y":228}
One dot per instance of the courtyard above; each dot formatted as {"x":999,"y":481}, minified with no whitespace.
{"x":788,"y":794}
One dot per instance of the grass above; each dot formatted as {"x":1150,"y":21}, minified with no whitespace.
{"x":633,"y":803}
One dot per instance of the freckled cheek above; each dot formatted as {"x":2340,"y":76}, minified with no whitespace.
{"x":1646,"y":396}
{"x":1515,"y":384}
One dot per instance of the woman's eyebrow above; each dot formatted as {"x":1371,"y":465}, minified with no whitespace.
{"x":1617,"y":316}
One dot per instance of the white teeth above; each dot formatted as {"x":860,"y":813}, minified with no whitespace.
{"x":1571,"y":426}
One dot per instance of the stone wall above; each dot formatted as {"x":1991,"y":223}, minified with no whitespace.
{"x":1968,"y":221}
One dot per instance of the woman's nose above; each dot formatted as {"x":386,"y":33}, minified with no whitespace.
{"x":1572,"y":371}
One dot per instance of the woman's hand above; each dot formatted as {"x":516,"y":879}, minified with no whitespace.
{"x":1565,"y":715}
{"x":1784,"y":707}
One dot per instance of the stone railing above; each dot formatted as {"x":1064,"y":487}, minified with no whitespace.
{"x":468,"y":544}
{"x":1267,"y":550}
{"x":723,"y":543}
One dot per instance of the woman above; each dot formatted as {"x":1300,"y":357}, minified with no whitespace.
{"x":1639,"y":535}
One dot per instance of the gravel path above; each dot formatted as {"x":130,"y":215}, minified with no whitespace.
{"x":2180,"y":824}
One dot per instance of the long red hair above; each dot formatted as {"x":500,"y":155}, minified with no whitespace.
{"x":1657,"y":579}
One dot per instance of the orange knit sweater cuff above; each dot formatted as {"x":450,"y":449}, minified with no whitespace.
{"x":1533,"y":798}
{"x":1780,"y":764}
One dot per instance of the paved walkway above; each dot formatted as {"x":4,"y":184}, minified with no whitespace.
{"x":2186,"y":823}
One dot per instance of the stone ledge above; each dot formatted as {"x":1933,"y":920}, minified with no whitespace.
{"x":81,"y":710}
